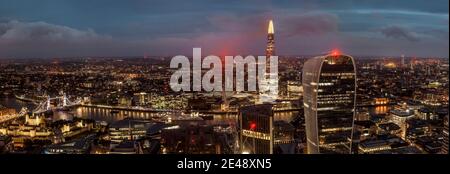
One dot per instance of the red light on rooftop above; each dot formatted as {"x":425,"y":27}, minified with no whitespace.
{"x":252,"y":126}
{"x":335,"y":52}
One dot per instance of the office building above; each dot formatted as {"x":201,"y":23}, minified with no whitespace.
{"x":283,"y":135}
{"x":188,"y":136}
{"x":256,"y":129}
{"x":128,"y":129}
{"x":269,"y":93}
{"x":400,"y":115}
{"x":329,"y":84}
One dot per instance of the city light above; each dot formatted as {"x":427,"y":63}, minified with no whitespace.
{"x":221,"y":81}
{"x":252,"y":126}
{"x":335,"y":52}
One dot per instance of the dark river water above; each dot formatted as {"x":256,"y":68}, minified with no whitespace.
{"x":105,"y":114}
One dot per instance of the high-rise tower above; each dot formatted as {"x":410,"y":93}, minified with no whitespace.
{"x":270,"y":50}
{"x":403,"y":61}
{"x":270,"y":91}
{"x":329,"y":84}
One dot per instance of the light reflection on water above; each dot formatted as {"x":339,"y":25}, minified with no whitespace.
{"x":105,"y":114}
{"x":11,"y":102}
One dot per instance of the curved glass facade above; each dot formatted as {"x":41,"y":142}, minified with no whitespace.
{"x":329,"y":84}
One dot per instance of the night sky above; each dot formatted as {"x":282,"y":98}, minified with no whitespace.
{"x":63,"y":28}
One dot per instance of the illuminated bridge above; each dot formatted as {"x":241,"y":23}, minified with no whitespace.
{"x":61,"y":102}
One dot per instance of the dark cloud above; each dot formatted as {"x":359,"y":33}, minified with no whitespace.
{"x":429,"y":7}
{"x":31,"y":39}
{"x":15,"y":32}
{"x":309,"y":24}
{"x":397,"y":32}
{"x":433,"y":33}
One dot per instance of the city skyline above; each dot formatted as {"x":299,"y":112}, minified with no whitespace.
{"x":58,"y":29}
{"x":333,"y":101}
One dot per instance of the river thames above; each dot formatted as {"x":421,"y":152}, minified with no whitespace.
{"x":110,"y":115}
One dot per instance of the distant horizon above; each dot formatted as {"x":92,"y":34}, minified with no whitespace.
{"x":190,"y":56}
{"x":54,"y":28}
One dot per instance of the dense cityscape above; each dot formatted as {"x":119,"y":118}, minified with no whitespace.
{"x":335,"y":102}
{"x":125,"y":106}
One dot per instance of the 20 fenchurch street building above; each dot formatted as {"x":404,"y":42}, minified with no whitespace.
{"x":329,"y":101}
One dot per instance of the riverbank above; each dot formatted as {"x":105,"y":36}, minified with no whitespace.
{"x":25,"y":99}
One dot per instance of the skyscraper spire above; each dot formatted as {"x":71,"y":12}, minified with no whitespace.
{"x":270,"y":50}
{"x":271,"y":30}
{"x":270,"y":90}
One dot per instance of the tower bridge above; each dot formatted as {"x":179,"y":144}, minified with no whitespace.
{"x":61,"y":102}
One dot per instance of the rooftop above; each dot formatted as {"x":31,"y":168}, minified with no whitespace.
{"x":416,"y":123}
{"x":156,"y":128}
{"x":373,"y":143}
{"x":425,"y":110}
{"x":81,"y":143}
{"x":402,"y":150}
{"x":366,"y":124}
{"x":129,"y":123}
{"x":389,"y":126}
{"x":402,"y":112}
{"x":260,"y":110}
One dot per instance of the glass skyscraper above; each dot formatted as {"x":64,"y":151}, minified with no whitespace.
{"x":329,"y":84}
{"x":445,"y":135}
{"x":256,"y":129}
